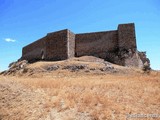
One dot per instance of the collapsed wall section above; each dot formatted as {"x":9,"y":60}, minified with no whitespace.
{"x":35,"y":51}
{"x":96,"y":44}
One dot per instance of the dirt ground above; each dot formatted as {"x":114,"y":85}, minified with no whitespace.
{"x":80,"y":95}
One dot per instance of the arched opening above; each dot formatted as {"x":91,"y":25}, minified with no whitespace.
{"x":42,"y":55}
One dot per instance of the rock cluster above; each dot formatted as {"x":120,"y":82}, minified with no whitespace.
{"x":53,"y":67}
{"x":16,"y":66}
{"x":145,"y":60}
{"x":75,"y":67}
{"x":130,"y":57}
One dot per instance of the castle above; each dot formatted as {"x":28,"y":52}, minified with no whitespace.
{"x":116,"y":46}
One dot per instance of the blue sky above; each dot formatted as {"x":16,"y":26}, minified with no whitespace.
{"x":24,"y":21}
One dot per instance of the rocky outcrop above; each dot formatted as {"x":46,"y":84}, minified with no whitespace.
{"x":130,"y":58}
{"x":135,"y":58}
{"x":145,"y":61}
{"x":18,"y":66}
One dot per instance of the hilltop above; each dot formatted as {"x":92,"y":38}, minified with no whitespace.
{"x":76,"y":89}
{"x":80,"y":65}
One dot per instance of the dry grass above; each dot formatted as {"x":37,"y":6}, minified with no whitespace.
{"x":102,"y":96}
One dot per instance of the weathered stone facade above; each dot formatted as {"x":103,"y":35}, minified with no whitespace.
{"x":117,"y":46}
{"x":96,"y":44}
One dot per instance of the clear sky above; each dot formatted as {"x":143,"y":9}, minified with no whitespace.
{"x":24,"y":21}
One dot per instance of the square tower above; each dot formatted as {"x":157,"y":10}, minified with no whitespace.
{"x":126,"y":36}
{"x":60,"y":45}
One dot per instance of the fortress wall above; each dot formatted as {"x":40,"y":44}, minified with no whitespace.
{"x":118,"y":46}
{"x":56,"y":45}
{"x":126,"y":36}
{"x":34,"y":50}
{"x":71,"y":44}
{"x":96,"y":44}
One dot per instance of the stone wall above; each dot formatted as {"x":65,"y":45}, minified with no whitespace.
{"x":126,"y":36}
{"x":117,"y":46}
{"x":97,"y":43}
{"x":71,"y":44}
{"x":35,"y":51}
{"x":56,"y":45}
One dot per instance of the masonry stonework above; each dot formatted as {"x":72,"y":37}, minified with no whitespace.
{"x":96,"y":44}
{"x":116,"y":46}
{"x":71,"y":44}
{"x":56,"y":46}
{"x":34,"y":50}
{"x":126,"y":36}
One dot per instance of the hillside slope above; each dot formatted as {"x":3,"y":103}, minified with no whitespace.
{"x":78,"y":89}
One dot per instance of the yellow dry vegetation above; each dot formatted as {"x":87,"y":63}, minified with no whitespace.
{"x":103,"y":96}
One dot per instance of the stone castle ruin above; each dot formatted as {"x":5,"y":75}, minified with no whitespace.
{"x":116,"y":46}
